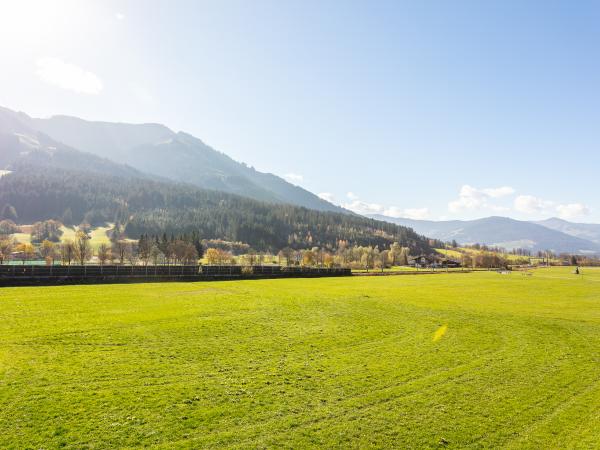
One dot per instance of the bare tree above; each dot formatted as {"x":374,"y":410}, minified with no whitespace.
{"x":67,"y":252}
{"x":155,"y":254}
{"x":145,"y":249}
{"x":132,"y":253}
{"x":83,"y":249}
{"x":119,"y":250}
{"x":287,"y":254}
{"x":104,"y":254}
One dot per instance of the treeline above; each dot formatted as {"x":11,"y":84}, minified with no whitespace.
{"x":146,"y":207}
{"x":356,"y":257}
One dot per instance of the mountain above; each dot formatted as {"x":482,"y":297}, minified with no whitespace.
{"x":155,"y":149}
{"x":151,"y":207}
{"x":500,"y":232}
{"x":41,"y":178}
{"x":588,"y":231}
{"x":22,"y":146}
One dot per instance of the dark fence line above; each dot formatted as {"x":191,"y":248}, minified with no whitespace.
{"x":46,"y":275}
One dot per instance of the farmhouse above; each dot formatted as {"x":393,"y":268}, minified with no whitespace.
{"x":432,"y":261}
{"x":449,"y":263}
{"x":421,"y":261}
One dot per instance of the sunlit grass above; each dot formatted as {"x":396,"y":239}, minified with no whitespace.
{"x":297,"y":363}
{"x":98,"y":235}
{"x":22,"y":238}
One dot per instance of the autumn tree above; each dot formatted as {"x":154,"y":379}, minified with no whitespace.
{"x":395,"y":253}
{"x":49,"y":230}
{"x":382,"y":260}
{"x":368,"y":258}
{"x":26,"y":250}
{"x":328,"y":260}
{"x":6,"y":248}
{"x":404,"y":255}
{"x":83,"y":248}
{"x":212,"y":256}
{"x":8,"y":227}
{"x":48,"y":251}
{"x":308,"y":258}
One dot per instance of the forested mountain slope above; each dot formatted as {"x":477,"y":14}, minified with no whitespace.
{"x":155,"y":149}
{"x":145,"y":206}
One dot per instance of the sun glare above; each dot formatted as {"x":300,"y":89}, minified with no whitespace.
{"x":27,"y":25}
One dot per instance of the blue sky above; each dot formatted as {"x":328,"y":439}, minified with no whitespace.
{"x":423,"y":109}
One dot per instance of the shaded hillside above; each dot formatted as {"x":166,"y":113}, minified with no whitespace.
{"x":22,"y":147}
{"x":155,"y":149}
{"x":152,"y":207}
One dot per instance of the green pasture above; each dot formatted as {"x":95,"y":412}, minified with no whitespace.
{"x":458,"y":254}
{"x":471,"y":360}
{"x":98,"y":235}
{"x":22,"y":238}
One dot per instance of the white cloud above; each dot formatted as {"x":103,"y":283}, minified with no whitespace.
{"x":529,"y":204}
{"x":471,"y":198}
{"x":499,"y":192}
{"x":393,"y":211}
{"x":416,"y":213}
{"x":327,"y":196}
{"x":293,"y":177}
{"x":120,"y":16}
{"x":365,"y":208}
{"x":68,"y":76}
{"x":361,"y":207}
{"x":468,"y":198}
{"x":410,"y":213}
{"x":572,"y":210}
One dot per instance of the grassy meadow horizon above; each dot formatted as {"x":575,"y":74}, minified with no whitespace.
{"x":457,"y":361}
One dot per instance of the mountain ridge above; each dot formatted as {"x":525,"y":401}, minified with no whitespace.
{"x":500,"y":232}
{"x":156,"y":149}
{"x":588,"y":231}
{"x":24,"y":146}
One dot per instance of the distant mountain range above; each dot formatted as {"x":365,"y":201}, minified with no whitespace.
{"x":156,"y":150}
{"x":553,"y":234}
{"x":587,"y":231}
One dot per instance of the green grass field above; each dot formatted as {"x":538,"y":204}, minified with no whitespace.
{"x":98,"y":235}
{"x":472,"y":360}
{"x":458,"y":254}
